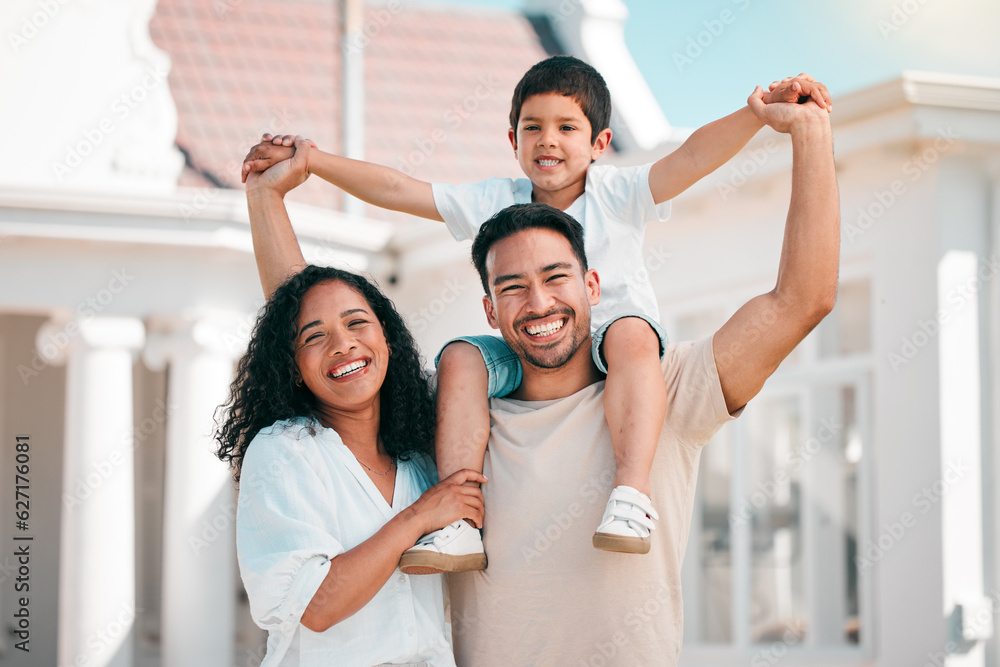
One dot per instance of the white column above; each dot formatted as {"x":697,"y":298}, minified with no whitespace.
{"x":352,"y":54}
{"x":961,"y":447}
{"x":741,"y":539}
{"x":199,"y":506}
{"x":823,"y":521}
{"x":991,"y":452}
{"x":963,"y":270}
{"x":97,"y":554}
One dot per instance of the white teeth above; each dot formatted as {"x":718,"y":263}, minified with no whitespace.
{"x":349,"y":368}
{"x":545,"y":329}
{"x":548,"y":163}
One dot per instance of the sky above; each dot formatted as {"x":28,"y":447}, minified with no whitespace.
{"x":702,"y":58}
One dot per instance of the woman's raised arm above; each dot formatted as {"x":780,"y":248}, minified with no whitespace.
{"x":275,"y":246}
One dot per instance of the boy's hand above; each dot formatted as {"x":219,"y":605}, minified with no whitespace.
{"x":270,"y":151}
{"x":284,"y":175}
{"x":799,"y":89}
{"x":788,"y":117}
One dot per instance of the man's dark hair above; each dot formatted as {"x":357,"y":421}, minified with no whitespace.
{"x":518,"y":218}
{"x":571,"y":77}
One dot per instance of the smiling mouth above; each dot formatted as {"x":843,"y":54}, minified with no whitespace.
{"x":542,"y":330}
{"x":548,"y":163}
{"x":348,"y":369}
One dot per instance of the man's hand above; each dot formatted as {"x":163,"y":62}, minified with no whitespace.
{"x":799,"y":89}
{"x":785,"y":117}
{"x":285,"y":175}
{"x":270,"y":151}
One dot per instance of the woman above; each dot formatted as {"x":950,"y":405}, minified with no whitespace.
{"x":328,"y":430}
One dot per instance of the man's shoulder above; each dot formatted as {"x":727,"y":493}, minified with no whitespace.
{"x":679,"y":358}
{"x":685,"y":351}
{"x":694,"y":391}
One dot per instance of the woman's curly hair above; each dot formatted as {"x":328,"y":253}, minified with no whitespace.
{"x":264,"y":390}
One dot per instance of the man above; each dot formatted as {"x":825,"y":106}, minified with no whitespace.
{"x":548,"y":597}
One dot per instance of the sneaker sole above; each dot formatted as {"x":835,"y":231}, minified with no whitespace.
{"x":426,"y":562}
{"x":621,"y":544}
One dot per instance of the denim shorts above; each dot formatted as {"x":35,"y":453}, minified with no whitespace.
{"x":502,"y":365}
{"x":598,"y":337}
{"x":504,"y":368}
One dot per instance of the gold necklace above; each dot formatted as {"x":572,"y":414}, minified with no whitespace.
{"x":392,"y":464}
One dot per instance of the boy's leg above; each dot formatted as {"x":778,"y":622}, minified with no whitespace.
{"x":469,"y":371}
{"x":463,"y":410}
{"x":635,"y":404}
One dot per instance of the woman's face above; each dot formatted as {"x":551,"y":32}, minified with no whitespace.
{"x":340,"y":348}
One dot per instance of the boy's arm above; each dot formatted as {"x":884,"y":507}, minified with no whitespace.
{"x":711,"y":146}
{"x":749,"y":347}
{"x":380,"y":186}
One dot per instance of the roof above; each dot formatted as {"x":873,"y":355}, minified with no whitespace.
{"x":438,"y":83}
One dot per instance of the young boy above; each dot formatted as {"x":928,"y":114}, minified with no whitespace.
{"x":559,"y":121}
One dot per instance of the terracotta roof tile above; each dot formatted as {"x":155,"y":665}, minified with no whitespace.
{"x":438,"y":83}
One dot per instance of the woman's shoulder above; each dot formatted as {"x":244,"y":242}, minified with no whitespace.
{"x":296,"y":428}
{"x":284,"y":438}
{"x":423,"y":466}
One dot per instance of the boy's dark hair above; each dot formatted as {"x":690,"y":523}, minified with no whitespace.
{"x":571,"y":77}
{"x":518,"y":218}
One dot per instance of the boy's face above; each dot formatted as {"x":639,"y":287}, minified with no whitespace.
{"x":552,"y":146}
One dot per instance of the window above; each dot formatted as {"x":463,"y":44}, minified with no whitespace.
{"x":781,"y":505}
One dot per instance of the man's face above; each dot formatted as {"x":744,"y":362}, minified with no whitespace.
{"x":541,"y":297}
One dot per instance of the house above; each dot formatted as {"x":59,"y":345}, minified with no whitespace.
{"x":846,"y":519}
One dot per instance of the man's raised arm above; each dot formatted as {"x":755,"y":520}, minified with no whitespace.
{"x":749,"y":347}
{"x":275,"y":246}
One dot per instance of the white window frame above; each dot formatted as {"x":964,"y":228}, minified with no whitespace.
{"x":811,"y":372}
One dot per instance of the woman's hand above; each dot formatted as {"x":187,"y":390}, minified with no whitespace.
{"x":356,"y":575}
{"x":270,"y":151}
{"x":285,"y":175}
{"x":450,"y":500}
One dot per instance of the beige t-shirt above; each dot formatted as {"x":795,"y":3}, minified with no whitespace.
{"x":548,"y":597}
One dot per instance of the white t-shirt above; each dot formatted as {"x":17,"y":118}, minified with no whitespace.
{"x":547,"y":596}
{"x":615,"y":205}
{"x":303,"y":500}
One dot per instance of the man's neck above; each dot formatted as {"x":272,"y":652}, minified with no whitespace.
{"x":546,"y":384}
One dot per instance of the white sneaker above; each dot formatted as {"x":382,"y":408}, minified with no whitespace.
{"x":457,"y":547}
{"x":628,"y":519}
